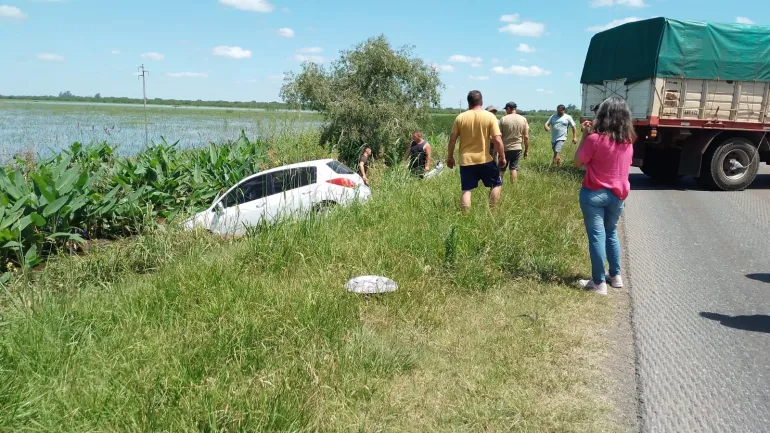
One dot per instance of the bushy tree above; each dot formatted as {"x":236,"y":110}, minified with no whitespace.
{"x":373,"y":95}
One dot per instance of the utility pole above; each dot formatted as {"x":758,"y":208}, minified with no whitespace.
{"x":143,"y":73}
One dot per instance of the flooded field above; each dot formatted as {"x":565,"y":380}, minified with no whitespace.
{"x":44,"y":128}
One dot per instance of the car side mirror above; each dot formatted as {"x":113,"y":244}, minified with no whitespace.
{"x":220,"y":208}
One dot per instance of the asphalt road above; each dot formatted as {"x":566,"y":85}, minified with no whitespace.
{"x":699,"y":271}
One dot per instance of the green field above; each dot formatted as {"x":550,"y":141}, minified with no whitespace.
{"x":174,"y":331}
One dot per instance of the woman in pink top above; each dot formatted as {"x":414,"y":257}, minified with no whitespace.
{"x":605,"y":151}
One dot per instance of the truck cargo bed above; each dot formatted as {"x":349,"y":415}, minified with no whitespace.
{"x":688,"y":102}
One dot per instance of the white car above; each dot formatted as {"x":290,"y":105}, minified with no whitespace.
{"x":282,"y":192}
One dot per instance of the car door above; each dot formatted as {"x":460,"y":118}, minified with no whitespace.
{"x":242,"y":207}
{"x":291,"y":192}
{"x":304,"y":185}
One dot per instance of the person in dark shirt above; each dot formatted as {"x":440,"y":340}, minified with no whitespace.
{"x":363,"y":164}
{"x":418,"y":155}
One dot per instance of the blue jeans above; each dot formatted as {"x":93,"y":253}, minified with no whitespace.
{"x":601,"y":212}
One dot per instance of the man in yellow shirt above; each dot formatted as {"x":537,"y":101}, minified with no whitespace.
{"x":475,"y":128}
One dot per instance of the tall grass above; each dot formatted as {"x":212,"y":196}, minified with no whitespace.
{"x":177,"y":331}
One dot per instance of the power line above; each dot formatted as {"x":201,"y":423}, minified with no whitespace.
{"x":143,"y":74}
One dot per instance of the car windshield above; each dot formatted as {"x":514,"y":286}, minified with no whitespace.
{"x":339,"y":167}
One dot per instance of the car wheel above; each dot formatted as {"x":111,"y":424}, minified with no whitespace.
{"x":324,"y":207}
{"x":730,"y":166}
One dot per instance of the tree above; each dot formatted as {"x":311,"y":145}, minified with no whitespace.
{"x":98,"y":96}
{"x":571,"y":107}
{"x":66,"y":94}
{"x":373,"y":95}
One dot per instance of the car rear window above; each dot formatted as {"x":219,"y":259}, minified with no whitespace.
{"x":339,"y":167}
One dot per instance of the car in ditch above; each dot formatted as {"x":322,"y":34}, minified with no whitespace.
{"x":284,"y":192}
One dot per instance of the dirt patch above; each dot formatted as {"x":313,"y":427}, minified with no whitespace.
{"x":619,"y":364}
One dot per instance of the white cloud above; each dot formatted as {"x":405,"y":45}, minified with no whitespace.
{"x":523,"y":60}
{"x":524,"y":48}
{"x":475,"y":65}
{"x":233,"y":52}
{"x":188,"y":75}
{"x":510,"y":18}
{"x":11,"y":12}
{"x":459,"y":58}
{"x":262,"y":6}
{"x":310,"y":50}
{"x":548,"y":92}
{"x":609,"y":3}
{"x":523,"y":71}
{"x":309,"y":58}
{"x":478,"y":78}
{"x":744,"y":20}
{"x":286,"y":10}
{"x":443,"y":68}
{"x":116,"y":52}
{"x":286,"y":32}
{"x":153,"y":55}
{"x":611,"y":24}
{"x":495,"y":60}
{"x":526,"y":28}
{"x":48,"y":57}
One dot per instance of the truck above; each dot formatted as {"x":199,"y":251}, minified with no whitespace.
{"x":699,"y":93}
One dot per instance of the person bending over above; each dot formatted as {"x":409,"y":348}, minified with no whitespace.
{"x":363,"y":164}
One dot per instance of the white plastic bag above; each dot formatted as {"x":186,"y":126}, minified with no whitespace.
{"x":371,"y":284}
{"x":435,"y":171}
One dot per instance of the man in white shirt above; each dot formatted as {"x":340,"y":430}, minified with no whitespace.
{"x":559,"y":124}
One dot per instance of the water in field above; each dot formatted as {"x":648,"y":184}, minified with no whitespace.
{"x":46,"y":128}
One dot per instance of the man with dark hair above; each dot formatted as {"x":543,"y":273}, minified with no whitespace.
{"x":515,"y":132}
{"x":474,"y":129}
{"x":363,"y":164}
{"x":559,"y":124}
{"x":418,"y":154}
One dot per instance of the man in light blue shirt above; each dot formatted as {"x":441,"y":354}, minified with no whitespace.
{"x":559,"y":124}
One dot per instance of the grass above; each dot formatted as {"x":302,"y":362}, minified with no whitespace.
{"x":175,"y":331}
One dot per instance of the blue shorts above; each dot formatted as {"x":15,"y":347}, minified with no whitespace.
{"x":488,"y":173}
{"x":557,"y":146}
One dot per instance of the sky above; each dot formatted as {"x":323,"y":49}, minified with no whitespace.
{"x":529,"y":52}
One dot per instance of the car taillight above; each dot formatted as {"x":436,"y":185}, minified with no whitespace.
{"x":342,"y":181}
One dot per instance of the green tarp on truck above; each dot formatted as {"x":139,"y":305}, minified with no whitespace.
{"x":666,"y":48}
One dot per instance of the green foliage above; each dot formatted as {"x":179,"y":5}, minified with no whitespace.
{"x":87,"y":192}
{"x":373,"y":95}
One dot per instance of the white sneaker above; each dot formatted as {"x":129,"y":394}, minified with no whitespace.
{"x":616,"y":282}
{"x":599,"y":289}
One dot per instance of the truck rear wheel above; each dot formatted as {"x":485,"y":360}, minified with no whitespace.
{"x":661,"y":165}
{"x":729,"y":166}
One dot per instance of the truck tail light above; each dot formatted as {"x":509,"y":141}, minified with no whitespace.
{"x":342,"y":181}
{"x":653,"y":133}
